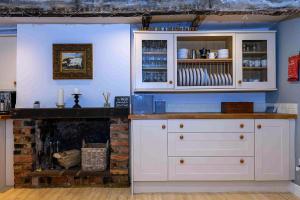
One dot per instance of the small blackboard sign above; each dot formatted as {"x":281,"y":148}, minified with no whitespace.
{"x":122,"y":101}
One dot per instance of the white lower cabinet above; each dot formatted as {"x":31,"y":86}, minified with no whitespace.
{"x":181,"y":150}
{"x":150,"y":157}
{"x":211,"y":168}
{"x":272,"y":150}
{"x":2,"y":153}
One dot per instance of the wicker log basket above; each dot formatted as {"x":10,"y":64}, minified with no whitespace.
{"x":94,"y":156}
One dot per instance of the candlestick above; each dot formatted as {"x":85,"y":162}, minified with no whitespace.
{"x":76,"y":91}
{"x":76,"y":100}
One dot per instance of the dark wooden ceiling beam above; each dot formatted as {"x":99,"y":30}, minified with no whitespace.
{"x":121,"y":8}
{"x":146,"y":20}
{"x":197,"y":21}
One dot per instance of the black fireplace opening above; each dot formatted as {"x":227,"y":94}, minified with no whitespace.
{"x":61,"y":135}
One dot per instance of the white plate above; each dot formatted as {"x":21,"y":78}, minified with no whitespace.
{"x":195,"y":76}
{"x":226,"y":79}
{"x":199,"y":77}
{"x":183,"y":77}
{"x":229,"y":79}
{"x":179,"y":77}
{"x":223,"y":79}
{"x":191,"y":77}
{"x":212,"y":81}
{"x":187,"y":76}
{"x":202,"y":77}
{"x":216,"y":80}
{"x":206,"y":77}
{"x":208,"y":80}
{"x":220,"y":79}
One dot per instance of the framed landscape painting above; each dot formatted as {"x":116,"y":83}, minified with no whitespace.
{"x":72,"y":61}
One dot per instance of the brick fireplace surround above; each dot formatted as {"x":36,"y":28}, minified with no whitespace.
{"x":27,"y":122}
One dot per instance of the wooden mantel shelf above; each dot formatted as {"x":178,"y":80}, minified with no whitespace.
{"x":3,"y":117}
{"x":55,"y":113}
{"x":214,"y":116}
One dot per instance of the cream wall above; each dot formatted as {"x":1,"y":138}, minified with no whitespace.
{"x":8,"y":47}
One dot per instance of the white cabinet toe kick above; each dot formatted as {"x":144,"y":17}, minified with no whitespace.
{"x":212,"y":155}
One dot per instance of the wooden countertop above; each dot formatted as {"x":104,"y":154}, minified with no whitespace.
{"x":214,"y":116}
{"x":2,"y":117}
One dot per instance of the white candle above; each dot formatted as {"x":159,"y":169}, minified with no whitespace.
{"x":76,"y":91}
{"x":60,"y":99}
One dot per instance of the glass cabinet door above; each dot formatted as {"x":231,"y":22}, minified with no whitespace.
{"x":153,"y":67}
{"x":256,"y":60}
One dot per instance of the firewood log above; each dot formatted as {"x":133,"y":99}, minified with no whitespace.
{"x":68,"y":158}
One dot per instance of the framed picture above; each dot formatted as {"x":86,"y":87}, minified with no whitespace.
{"x":72,"y":61}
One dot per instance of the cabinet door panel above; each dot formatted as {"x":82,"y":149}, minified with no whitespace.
{"x":272,"y":150}
{"x":154,"y":60}
{"x":211,"y":168}
{"x":256,"y":64}
{"x":149,"y":150}
{"x":211,"y":144}
{"x":211,"y":125}
{"x":2,"y":153}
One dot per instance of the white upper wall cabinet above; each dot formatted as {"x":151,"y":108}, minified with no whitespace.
{"x":153,"y":67}
{"x":256,"y":62}
{"x":204,"y":61}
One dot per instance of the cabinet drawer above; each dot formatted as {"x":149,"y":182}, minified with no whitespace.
{"x":211,"y":144}
{"x":211,"y":125}
{"x":211,"y":168}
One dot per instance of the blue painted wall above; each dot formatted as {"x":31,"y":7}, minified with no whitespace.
{"x":288,"y":44}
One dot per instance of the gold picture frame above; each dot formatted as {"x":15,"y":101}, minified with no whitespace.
{"x":72,"y":61}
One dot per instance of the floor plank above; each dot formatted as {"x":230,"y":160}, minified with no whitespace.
{"x":124,"y":194}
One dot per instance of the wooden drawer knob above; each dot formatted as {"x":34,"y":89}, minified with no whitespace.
{"x":242,"y":137}
{"x":181,"y":137}
{"x":239,"y":82}
{"x":242,"y":125}
{"x":181,"y":161}
{"x":170,"y":82}
{"x":163,"y":126}
{"x":259,"y":126}
{"x":242,"y":161}
{"x":181,"y":125}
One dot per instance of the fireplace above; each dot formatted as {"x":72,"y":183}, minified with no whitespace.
{"x":40,"y":133}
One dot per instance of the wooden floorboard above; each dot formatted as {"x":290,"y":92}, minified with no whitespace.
{"x":124,"y":194}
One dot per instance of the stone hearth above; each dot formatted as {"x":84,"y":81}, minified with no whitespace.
{"x":27,"y":129}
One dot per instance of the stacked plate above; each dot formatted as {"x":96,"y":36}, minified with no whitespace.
{"x":182,"y":53}
{"x":200,"y":77}
{"x":223,"y":53}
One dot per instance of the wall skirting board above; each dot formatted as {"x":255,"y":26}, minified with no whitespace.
{"x":295,"y":189}
{"x":214,"y":186}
